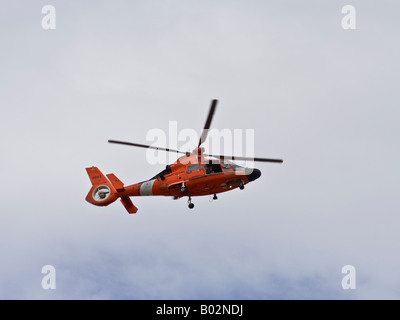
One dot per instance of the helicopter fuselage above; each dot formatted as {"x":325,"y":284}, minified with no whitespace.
{"x":190,"y":175}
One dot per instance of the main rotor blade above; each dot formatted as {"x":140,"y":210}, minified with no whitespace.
{"x":144,"y":146}
{"x":244,"y":158}
{"x":208,"y":122}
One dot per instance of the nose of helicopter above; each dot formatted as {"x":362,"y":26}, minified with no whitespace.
{"x":252,"y":174}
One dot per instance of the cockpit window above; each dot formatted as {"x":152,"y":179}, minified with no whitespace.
{"x":225,"y":165}
{"x":236,"y":167}
{"x":193,"y":167}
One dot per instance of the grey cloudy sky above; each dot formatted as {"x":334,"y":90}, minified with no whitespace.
{"x":322,"y":98}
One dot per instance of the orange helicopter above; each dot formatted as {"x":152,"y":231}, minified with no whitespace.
{"x":191,"y":175}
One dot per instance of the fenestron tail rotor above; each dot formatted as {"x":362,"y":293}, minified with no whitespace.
{"x":101,"y":193}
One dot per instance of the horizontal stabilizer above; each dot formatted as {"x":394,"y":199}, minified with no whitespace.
{"x":126,"y":201}
{"x":118,"y":185}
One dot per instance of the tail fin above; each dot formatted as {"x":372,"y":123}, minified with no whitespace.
{"x":105,"y":191}
{"x":102,"y":192}
{"x":96,"y":177}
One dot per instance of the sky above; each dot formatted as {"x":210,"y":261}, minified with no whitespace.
{"x":322,"y":98}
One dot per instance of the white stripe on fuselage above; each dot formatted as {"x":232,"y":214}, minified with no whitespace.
{"x":146,"y":188}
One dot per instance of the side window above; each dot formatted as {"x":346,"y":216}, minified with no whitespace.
{"x":212,"y":168}
{"x":208,"y":168}
{"x":225,"y":165}
{"x":193,"y":167}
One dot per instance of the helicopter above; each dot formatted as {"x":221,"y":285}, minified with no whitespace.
{"x":193,"y":174}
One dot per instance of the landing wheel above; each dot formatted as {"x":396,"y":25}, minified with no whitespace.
{"x":215,"y":197}
{"x":190,"y":204}
{"x":241,"y":186}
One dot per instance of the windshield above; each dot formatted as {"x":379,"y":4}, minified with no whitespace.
{"x":225,"y":165}
{"x":233,"y":165}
